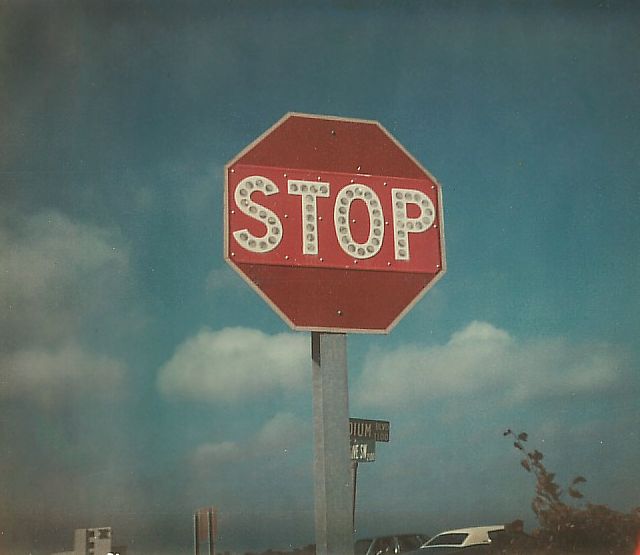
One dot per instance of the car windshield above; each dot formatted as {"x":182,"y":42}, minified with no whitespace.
{"x":384,"y":545}
{"x":493,"y":534}
{"x":409,"y":543}
{"x":448,"y":539}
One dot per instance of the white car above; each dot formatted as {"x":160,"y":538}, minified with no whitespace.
{"x":462,"y":538}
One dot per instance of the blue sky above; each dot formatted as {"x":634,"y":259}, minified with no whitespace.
{"x":119,"y":402}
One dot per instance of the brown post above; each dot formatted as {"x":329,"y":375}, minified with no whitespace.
{"x":210,"y":521}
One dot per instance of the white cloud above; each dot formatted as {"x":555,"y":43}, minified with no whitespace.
{"x":483,"y":358}
{"x":281,"y":433}
{"x":283,"y":430}
{"x":235,"y":364}
{"x":54,"y":272}
{"x":223,"y":452}
{"x":265,"y":470}
{"x":47,"y":376}
{"x":56,"y":277}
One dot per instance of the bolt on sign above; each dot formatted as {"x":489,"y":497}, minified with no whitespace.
{"x":333,"y":223}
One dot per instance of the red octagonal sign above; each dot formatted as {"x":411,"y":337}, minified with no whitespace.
{"x":333,"y":223}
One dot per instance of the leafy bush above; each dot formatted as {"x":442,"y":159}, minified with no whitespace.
{"x":563,"y":527}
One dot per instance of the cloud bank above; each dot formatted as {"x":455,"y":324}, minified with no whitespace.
{"x":266,"y":474}
{"x":234,"y":364}
{"x":277,"y":436}
{"x":57,"y":275}
{"x":482,"y":358}
{"x":46,"y":376}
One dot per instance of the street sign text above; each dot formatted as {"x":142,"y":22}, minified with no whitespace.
{"x":377,"y":430}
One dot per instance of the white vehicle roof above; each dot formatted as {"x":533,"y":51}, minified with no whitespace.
{"x":475,"y":535}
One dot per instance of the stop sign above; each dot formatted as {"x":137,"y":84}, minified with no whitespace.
{"x":333,"y":223}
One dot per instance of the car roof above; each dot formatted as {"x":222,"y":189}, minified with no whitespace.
{"x":474,"y":535}
{"x":472,"y":529}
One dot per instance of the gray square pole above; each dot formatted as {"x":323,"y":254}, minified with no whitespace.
{"x":332,"y":459}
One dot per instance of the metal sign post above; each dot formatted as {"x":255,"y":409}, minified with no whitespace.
{"x":332,"y":471}
{"x":354,"y":477}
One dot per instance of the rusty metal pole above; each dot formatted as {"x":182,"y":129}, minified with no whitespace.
{"x":332,"y":460}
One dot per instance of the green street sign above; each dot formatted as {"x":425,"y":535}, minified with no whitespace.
{"x":377,"y":430}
